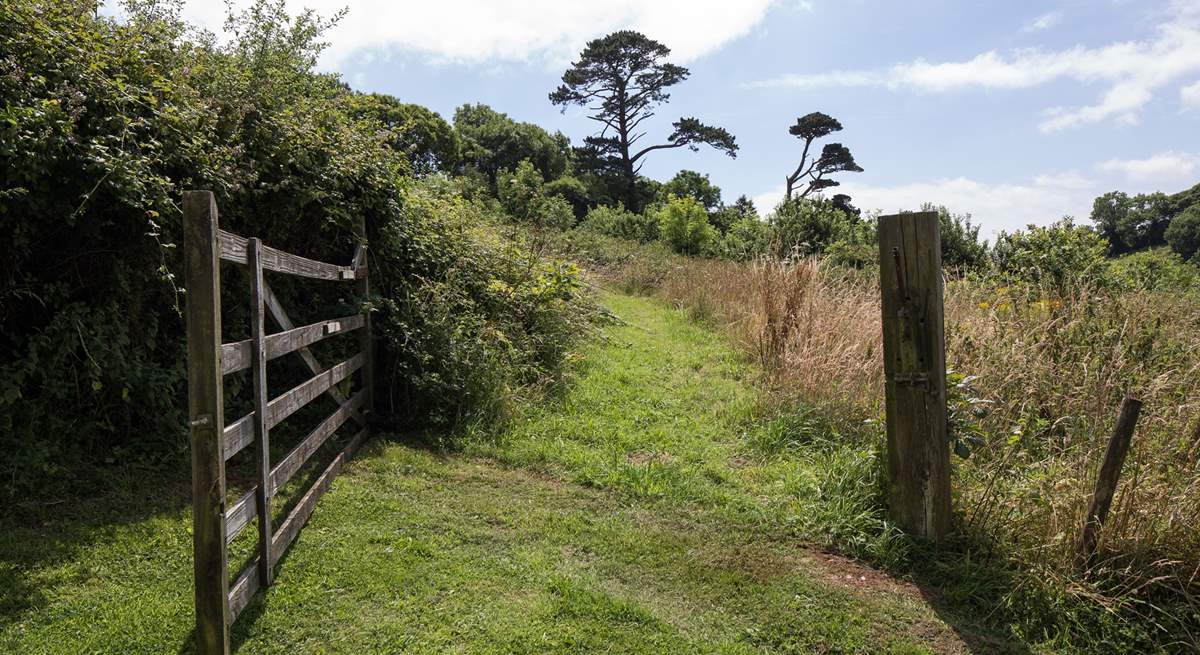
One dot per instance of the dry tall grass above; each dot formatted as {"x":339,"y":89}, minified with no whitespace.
{"x":1052,"y":367}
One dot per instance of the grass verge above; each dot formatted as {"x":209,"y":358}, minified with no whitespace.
{"x":681,"y":537}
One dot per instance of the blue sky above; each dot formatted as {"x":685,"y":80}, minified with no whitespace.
{"x":1014,"y":112}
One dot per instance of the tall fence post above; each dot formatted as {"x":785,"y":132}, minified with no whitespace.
{"x":914,"y":352}
{"x":1106,"y":480}
{"x":206,"y":420}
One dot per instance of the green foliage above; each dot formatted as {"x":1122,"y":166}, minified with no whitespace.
{"x":520,"y":191}
{"x":555,"y":212}
{"x":1055,"y":257}
{"x":571,"y":189}
{"x":1184,"y":199}
{"x":691,"y":184}
{"x":493,"y":142}
{"x":961,"y":247}
{"x":1132,"y":223}
{"x":746,"y":238}
{"x":620,"y":222}
{"x":745,"y":206}
{"x":723,"y":218}
{"x":1184,"y":233}
{"x":964,"y":411}
{"x":104,"y":123}
{"x":683,"y":224}
{"x":807,"y":226}
{"x":428,"y":142}
{"x":853,"y":254}
{"x":1154,"y":270}
{"x":523,"y":195}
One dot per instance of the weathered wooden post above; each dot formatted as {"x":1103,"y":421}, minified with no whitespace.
{"x":914,"y":352}
{"x":1106,"y":481}
{"x":262,"y":438}
{"x":362,"y":272}
{"x":206,"y":420}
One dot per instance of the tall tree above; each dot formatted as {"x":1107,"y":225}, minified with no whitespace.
{"x":745,"y":206}
{"x":1184,"y":233}
{"x":429,"y":143}
{"x":1133,"y":222}
{"x":835,"y":157}
{"x":492,"y":142}
{"x":621,"y":78}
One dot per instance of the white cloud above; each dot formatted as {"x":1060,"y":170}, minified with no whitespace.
{"x":1043,"y":22}
{"x":1161,"y":167}
{"x":1132,"y":71}
{"x":996,"y":207}
{"x":1190,"y":96}
{"x":485,"y":31}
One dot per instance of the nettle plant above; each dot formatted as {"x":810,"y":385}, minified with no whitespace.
{"x":965,"y":411}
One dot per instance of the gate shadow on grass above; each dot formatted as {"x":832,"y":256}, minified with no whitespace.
{"x":40,"y":534}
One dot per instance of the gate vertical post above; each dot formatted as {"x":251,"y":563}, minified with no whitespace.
{"x":262,"y":440}
{"x":362,"y":272}
{"x":206,"y":420}
{"x":914,"y":352}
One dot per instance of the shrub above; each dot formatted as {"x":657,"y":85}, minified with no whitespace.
{"x":619,"y":222}
{"x":520,"y":190}
{"x":492,"y":142}
{"x":745,"y":239}
{"x":961,"y":247}
{"x":852,"y":255}
{"x":477,"y":319}
{"x":1057,"y":257}
{"x":427,"y":141}
{"x":523,"y":195}
{"x":555,"y":212}
{"x":804,"y":226}
{"x":572,"y":190}
{"x":690,"y":184}
{"x":1184,"y":233}
{"x":683,"y":224}
{"x":1154,"y":270}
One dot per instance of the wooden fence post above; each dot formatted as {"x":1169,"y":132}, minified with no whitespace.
{"x":1106,"y":481}
{"x":262,"y":441}
{"x":206,"y":420}
{"x":367,"y":341}
{"x":914,"y":352}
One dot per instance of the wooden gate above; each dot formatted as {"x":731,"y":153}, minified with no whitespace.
{"x":214,"y":441}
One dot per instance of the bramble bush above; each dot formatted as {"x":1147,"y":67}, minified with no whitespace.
{"x":103,"y":124}
{"x":620,"y":222}
{"x":523,"y":195}
{"x":1057,"y":257}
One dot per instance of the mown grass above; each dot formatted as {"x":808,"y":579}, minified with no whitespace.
{"x":666,"y":411}
{"x":412,"y":552}
{"x":684,"y":549}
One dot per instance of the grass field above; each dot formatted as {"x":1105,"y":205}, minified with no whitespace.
{"x":652,"y":507}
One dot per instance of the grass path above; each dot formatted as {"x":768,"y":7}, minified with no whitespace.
{"x":647,"y":510}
